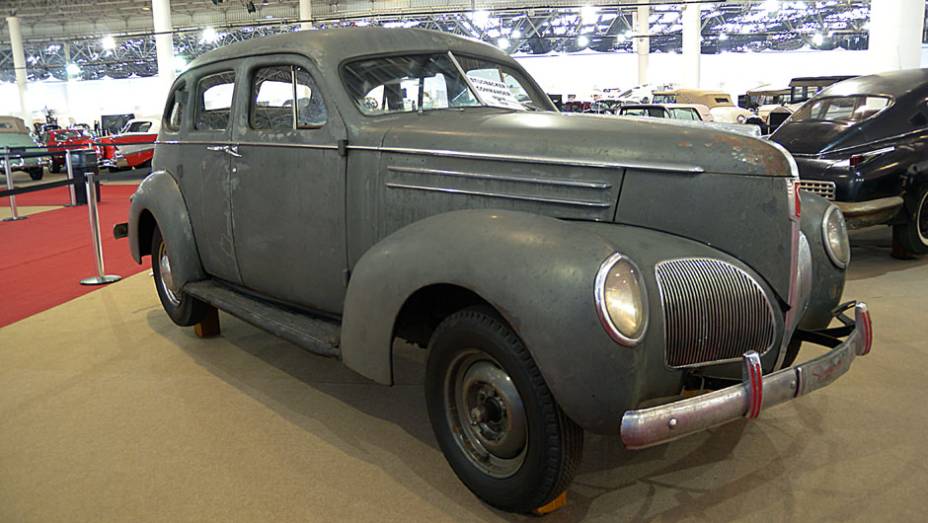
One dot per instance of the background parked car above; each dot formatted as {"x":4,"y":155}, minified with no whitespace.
{"x":697,"y":114}
{"x":15,"y":135}
{"x":132,"y":147}
{"x":720,"y":103}
{"x":800,"y":90}
{"x":863,"y":143}
{"x":60,"y":140}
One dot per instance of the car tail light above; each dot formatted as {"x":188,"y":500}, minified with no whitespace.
{"x":856,"y":160}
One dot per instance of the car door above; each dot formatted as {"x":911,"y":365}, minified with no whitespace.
{"x":203,"y":167}
{"x":288,"y":179}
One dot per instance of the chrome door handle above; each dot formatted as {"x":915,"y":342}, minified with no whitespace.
{"x":233,"y":150}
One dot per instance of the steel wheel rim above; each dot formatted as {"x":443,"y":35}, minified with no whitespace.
{"x":485,"y":413}
{"x":166,"y":279}
{"x":921,"y":219}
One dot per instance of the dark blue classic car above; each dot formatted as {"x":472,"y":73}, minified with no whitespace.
{"x":863,"y":143}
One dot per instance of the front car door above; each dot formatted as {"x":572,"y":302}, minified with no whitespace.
{"x":288,"y":179}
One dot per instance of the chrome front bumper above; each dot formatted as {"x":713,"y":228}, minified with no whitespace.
{"x":656,"y":425}
{"x":870,"y":212}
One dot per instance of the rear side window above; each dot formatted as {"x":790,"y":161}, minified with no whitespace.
{"x":214,"y":101}
{"x":285,"y":97}
{"x":175,"y":108}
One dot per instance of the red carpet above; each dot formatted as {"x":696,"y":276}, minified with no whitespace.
{"x":53,"y":196}
{"x":43,"y":258}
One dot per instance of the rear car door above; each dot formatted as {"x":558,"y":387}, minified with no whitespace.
{"x":203,"y":164}
{"x":288,"y":179}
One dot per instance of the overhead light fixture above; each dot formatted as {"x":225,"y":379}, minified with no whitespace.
{"x":588,"y":14}
{"x":516,"y":33}
{"x":620,"y":39}
{"x":503,"y":43}
{"x":818,"y":39}
{"x":583,"y":41}
{"x":108,"y":42}
{"x":73,"y":69}
{"x":770,"y":6}
{"x":480,"y":18}
{"x":723,"y":37}
{"x":180,"y":63}
{"x":209,"y":35}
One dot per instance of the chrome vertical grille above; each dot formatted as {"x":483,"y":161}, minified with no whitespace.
{"x":713,"y":312}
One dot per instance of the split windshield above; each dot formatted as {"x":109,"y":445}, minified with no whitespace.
{"x":410,"y":83}
{"x":842,"y":109}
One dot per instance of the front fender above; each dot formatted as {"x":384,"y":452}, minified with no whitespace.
{"x":538,"y":273}
{"x":827,"y":279}
{"x":158,"y":202}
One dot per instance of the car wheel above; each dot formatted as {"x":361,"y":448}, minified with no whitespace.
{"x":184,"y":310}
{"x":55,"y":168}
{"x":911,"y":238}
{"x":494,"y":417}
{"x":36,"y":174}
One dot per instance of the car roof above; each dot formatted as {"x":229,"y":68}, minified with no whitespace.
{"x":897,"y":84}
{"x":330,"y":47}
{"x":804,"y":81}
{"x":12,"y":124}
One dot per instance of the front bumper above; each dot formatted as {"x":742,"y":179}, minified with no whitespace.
{"x":656,"y":425}
{"x":870,"y":212}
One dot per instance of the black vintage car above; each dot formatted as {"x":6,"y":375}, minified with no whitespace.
{"x":863,"y":143}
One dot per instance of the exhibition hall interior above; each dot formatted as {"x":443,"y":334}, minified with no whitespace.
{"x":470,"y":260}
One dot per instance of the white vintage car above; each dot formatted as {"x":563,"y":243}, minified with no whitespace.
{"x":720,"y":103}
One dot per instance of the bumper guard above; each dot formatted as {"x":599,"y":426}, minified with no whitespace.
{"x":656,"y":425}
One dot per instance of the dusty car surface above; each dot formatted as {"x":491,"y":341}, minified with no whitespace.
{"x":346,"y":188}
{"x":16,"y":138}
{"x":863,"y":143}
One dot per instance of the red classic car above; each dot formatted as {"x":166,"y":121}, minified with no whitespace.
{"x":59,"y":140}
{"x":132,"y":147}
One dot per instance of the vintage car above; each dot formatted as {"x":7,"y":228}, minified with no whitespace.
{"x":16,"y":138}
{"x":763,"y":101}
{"x":60,"y":140}
{"x":863,"y":143}
{"x":347,"y":188}
{"x":132,"y":147}
{"x":692,"y":114}
{"x":640,"y":94}
{"x":800,"y":91}
{"x":720,"y":103}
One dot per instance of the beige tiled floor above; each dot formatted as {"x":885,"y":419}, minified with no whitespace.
{"x":108,"y":412}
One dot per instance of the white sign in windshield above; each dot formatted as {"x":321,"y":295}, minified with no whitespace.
{"x":495,"y":93}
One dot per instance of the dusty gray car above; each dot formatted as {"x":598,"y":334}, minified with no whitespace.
{"x":346,"y":188}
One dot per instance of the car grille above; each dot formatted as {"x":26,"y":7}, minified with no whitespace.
{"x":713,"y":312}
{"x":824,"y":189}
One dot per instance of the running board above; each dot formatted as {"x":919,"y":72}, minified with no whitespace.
{"x":319,"y":336}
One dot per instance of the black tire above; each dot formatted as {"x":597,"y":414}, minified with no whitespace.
{"x":553,"y":443}
{"x":55,"y":168}
{"x":910,"y":239}
{"x":184,"y":310}
{"x":36,"y":173}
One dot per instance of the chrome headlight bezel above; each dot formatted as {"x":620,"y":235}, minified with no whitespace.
{"x":835,"y":258}
{"x":602,"y":306}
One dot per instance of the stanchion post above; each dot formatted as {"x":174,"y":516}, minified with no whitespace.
{"x":14,"y":212}
{"x":71,"y":189}
{"x":101,"y":278}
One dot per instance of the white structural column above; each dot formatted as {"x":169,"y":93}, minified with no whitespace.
{"x":306,"y":14}
{"x":896,"y":34}
{"x":692,"y":45}
{"x":19,"y":62}
{"x":643,"y":41}
{"x":164,"y":41}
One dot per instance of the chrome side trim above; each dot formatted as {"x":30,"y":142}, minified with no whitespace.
{"x":645,"y":166}
{"x":556,"y":201}
{"x":557,"y":182}
{"x":249,"y":144}
{"x":657,"y":425}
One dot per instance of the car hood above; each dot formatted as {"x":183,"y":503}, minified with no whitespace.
{"x":593,"y":139}
{"x":813,"y":137}
{"x":16,"y":140}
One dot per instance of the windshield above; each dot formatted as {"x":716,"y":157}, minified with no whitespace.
{"x":427,"y":82}
{"x":842,"y":109}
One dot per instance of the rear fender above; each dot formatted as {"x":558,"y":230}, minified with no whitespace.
{"x":159,"y":202}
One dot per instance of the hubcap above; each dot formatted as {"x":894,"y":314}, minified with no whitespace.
{"x":167,"y":278}
{"x":486,"y":414}
{"x":921,"y":219}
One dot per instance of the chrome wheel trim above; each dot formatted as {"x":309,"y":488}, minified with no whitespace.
{"x":921,"y":219}
{"x":485,"y":413}
{"x":166,"y":279}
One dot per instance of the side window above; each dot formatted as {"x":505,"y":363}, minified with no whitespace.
{"x":285,"y":97}
{"x":175,"y":108}
{"x":214,"y":101}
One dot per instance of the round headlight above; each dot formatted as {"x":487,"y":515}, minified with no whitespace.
{"x":621,"y":301}
{"x":834,"y":232}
